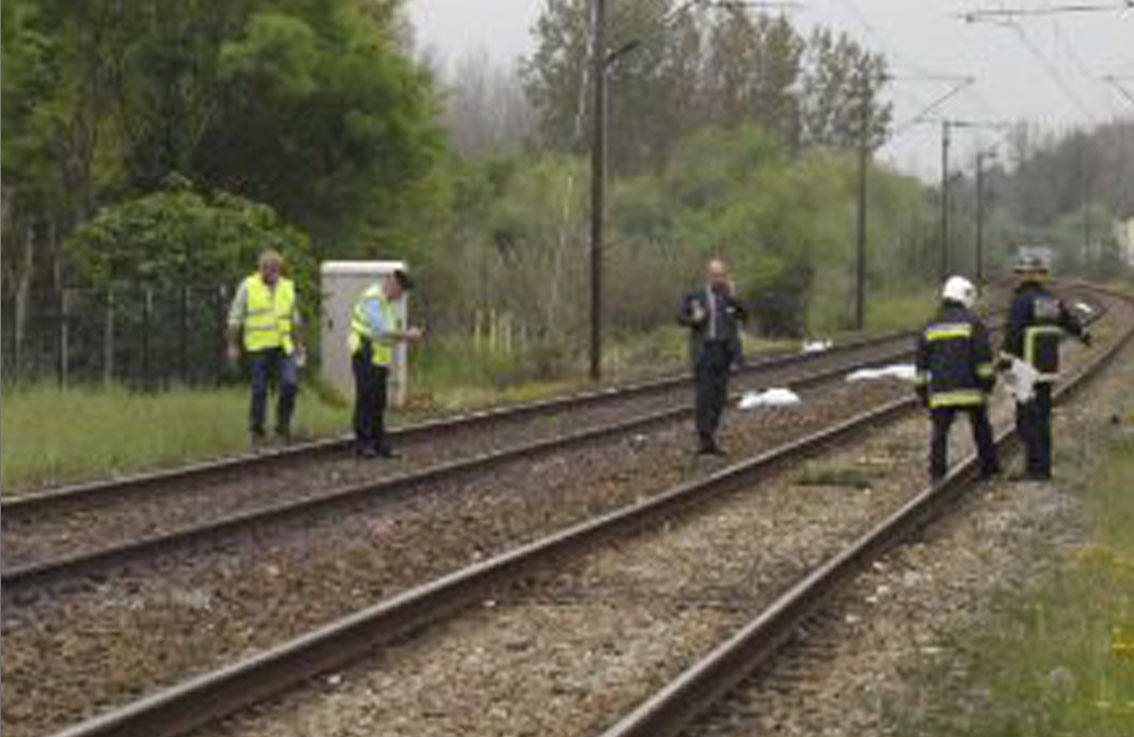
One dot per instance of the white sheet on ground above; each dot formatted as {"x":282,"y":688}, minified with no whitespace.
{"x":769,"y":398}
{"x":901,"y":371}
{"x":817,"y":346}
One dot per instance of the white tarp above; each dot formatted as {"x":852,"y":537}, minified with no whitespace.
{"x":769,"y":398}
{"x":817,"y":346}
{"x":901,"y":371}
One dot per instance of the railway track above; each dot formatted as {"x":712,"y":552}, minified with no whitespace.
{"x":178,"y":709}
{"x":87,"y":530}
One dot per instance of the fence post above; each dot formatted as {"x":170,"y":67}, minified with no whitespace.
{"x":221,"y":297}
{"x":184,"y":335}
{"x":108,"y":340}
{"x":64,"y":339}
{"x":147,"y":305}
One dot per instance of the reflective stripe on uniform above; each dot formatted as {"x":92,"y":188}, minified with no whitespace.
{"x":962,"y":398}
{"x":268,"y":314}
{"x":949,"y":331}
{"x":381,"y":352}
{"x":985,"y":370}
{"x":1033,"y":334}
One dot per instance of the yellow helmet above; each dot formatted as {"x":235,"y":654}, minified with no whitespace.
{"x":1032,"y":268}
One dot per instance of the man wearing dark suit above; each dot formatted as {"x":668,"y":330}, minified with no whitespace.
{"x":713,"y":315}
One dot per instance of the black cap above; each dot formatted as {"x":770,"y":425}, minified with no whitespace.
{"x":403,"y":279}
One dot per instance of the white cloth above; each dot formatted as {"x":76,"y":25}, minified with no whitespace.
{"x":1021,"y":380}
{"x":769,"y":398}
{"x":901,"y":371}
{"x":817,"y":346}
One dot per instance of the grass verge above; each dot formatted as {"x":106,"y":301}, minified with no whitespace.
{"x":52,"y":436}
{"x":1059,"y":660}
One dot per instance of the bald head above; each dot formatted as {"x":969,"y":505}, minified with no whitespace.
{"x":716,"y":273}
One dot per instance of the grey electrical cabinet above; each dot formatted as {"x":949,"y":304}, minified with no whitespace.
{"x":343,"y":282}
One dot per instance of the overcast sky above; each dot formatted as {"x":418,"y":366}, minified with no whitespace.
{"x":1046,"y":70}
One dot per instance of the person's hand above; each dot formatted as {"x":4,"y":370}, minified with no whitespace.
{"x":699,"y":313}
{"x":413,"y":335}
{"x":233,"y":353}
{"x":300,"y":356}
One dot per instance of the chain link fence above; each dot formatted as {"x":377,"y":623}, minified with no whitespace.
{"x":137,"y":337}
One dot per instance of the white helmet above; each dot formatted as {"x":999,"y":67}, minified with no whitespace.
{"x":960,"y":289}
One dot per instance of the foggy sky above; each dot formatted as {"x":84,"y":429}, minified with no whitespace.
{"x":1048,"y":71}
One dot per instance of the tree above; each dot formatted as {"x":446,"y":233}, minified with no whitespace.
{"x":840,"y":78}
{"x":178,"y":236}
{"x":485,"y":109}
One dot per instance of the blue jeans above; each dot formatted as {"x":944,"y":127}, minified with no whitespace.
{"x":266,"y":365}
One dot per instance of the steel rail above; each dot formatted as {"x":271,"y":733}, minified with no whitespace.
{"x":210,"y":696}
{"x":31,"y":504}
{"x":700,"y":686}
{"x":22,"y":576}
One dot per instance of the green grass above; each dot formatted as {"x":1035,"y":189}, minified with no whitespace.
{"x":900,"y":312}
{"x":52,"y":436}
{"x":1060,"y":661}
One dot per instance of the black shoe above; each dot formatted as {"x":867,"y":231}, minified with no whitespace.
{"x":990,"y":475}
{"x":388,"y":454}
{"x":711,"y":450}
{"x":283,"y":434}
{"x":366,"y":452}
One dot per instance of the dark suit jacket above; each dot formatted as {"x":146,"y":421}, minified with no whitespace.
{"x":730,"y":315}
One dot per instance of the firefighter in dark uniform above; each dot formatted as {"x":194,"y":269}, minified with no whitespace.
{"x":956,"y":374}
{"x":713,"y":315}
{"x":1036,"y":324}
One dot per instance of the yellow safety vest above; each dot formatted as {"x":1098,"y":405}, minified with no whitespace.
{"x":268,"y":315}
{"x":381,"y":352}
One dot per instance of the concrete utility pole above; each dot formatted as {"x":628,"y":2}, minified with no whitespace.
{"x":598,"y":183}
{"x":982,"y":156}
{"x":946,"y":127}
{"x":867,"y":104}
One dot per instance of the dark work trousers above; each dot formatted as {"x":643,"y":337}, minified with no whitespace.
{"x":369,"y":401}
{"x":942,"y":418}
{"x":268,"y":366}
{"x":711,"y":374}
{"x":1033,"y":425}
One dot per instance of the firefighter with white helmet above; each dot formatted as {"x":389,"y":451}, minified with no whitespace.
{"x":955,"y":374}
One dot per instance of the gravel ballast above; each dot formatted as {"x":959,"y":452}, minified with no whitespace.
{"x":87,"y":645}
{"x":575,"y":648}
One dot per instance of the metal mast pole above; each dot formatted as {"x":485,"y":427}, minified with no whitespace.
{"x":598,"y":184}
{"x":944,"y":273}
{"x":980,"y":218}
{"x":863,"y":165}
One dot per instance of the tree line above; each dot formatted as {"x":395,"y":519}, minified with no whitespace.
{"x":154,"y":143}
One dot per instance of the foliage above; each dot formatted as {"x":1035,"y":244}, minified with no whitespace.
{"x":177,"y":236}
{"x":309,"y":107}
{"x":1066,"y":191}
{"x":681,"y":71}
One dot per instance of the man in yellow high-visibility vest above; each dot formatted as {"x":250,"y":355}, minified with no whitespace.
{"x":264,"y":311}
{"x":376,"y":329}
